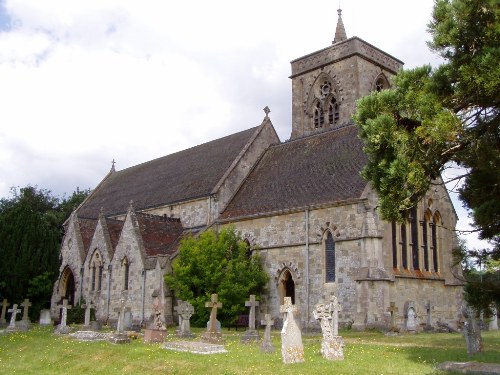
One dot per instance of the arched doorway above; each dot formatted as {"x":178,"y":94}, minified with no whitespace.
{"x":67,"y":286}
{"x":286,"y":286}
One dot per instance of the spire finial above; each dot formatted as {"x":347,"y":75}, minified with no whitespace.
{"x":340,"y":33}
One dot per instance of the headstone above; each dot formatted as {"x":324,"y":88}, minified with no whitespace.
{"x":292,"y":349}
{"x":12,"y":325}
{"x":410,"y":317}
{"x":251,"y":333}
{"x":45,"y":319}
{"x":212,"y":336}
{"x":267,"y":344}
{"x":185,"y":310}
{"x":62,"y":328}
{"x":120,"y":337}
{"x":5,"y":304}
{"x":428,"y":309}
{"x":218,"y":326}
{"x":472,"y":331}
{"x":157,"y":331}
{"x":87,"y":307}
{"x":392,"y":309}
{"x":25,"y":322}
{"x":493,"y":324}
{"x":332,"y":344}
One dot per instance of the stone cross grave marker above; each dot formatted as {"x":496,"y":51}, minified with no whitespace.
{"x":393,"y":310}
{"x":26,"y":305}
{"x":214,"y":305}
{"x":14,"y":310}
{"x":472,"y":331}
{"x":5,"y":304}
{"x":120,"y":337}
{"x":251,"y":334}
{"x":292,"y":349}
{"x":185,"y":310}
{"x":428,"y":308}
{"x":62,"y":327}
{"x":267,"y":344}
{"x":335,"y":308}
{"x":87,"y":307}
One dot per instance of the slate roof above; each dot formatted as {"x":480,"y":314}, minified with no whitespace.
{"x":319,"y":169}
{"x":159,"y":234}
{"x":184,"y":175}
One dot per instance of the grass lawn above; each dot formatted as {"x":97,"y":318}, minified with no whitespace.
{"x":40,"y":352}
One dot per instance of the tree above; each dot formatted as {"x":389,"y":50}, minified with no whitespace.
{"x":216,"y":262}
{"x":432,"y":120}
{"x":30,"y":235}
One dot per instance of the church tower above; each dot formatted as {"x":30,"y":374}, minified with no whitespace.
{"x":327,"y":83}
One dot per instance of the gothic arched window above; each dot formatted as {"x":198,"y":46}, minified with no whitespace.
{"x":125,"y":270}
{"x":333,"y":112}
{"x":381,"y":83}
{"x":329,"y":258}
{"x":434,"y":240}
{"x":96,"y":271}
{"x":319,"y":116}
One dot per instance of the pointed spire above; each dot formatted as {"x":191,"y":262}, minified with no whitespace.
{"x":340,"y":34}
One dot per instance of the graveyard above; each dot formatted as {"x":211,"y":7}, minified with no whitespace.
{"x":40,"y":351}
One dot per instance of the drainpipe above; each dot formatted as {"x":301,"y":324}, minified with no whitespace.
{"x":81,"y":285}
{"x":143,"y":294}
{"x":110,"y":267}
{"x":307,"y":267}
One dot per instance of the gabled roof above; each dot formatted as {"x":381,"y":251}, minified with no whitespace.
{"x":114,"y":229}
{"x":159,"y":233}
{"x":87,"y":228}
{"x":181,"y":176}
{"x":310,"y":171}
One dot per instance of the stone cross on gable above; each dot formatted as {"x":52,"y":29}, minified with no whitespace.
{"x":26,"y":304}
{"x":5,"y":304}
{"x":87,"y":307}
{"x":214,"y":305}
{"x":393,"y":310}
{"x":252,"y":304}
{"x":64,"y":311}
{"x":335,"y":308}
{"x":14,"y":312}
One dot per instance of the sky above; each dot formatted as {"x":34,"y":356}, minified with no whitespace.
{"x":85,"y":82}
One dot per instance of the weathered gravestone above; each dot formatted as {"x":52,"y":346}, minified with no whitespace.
{"x":411,"y":317}
{"x":267,"y":344}
{"x":120,"y":336}
{"x":392,"y":309}
{"x":332,"y":344}
{"x":62,"y":328}
{"x":212,"y":335}
{"x":87,"y":307}
{"x":25,"y":322}
{"x":157,"y":331}
{"x":428,"y":309}
{"x":292,"y":349}
{"x":251,"y":333}
{"x":472,"y":331}
{"x":5,"y":304}
{"x":185,"y":310}
{"x":45,"y":319}
{"x":12,"y":325}
{"x":493,"y":323}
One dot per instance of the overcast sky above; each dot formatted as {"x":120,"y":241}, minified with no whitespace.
{"x":83,"y":82}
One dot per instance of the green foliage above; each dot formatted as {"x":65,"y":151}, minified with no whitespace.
{"x":216,"y":262}
{"x":433,"y":119}
{"x":30,"y":233}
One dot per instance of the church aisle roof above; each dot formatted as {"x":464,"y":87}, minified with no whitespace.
{"x":159,"y":234}
{"x":87,"y":229}
{"x":319,"y":169}
{"x":184,"y":175}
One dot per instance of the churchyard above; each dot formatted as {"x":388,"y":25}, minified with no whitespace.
{"x":40,"y":351}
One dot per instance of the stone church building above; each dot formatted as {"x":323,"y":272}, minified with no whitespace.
{"x":301,"y":204}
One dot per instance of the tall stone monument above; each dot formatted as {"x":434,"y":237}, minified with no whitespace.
{"x":185,"y":310}
{"x":62,"y":328}
{"x":472,"y":331}
{"x":120,"y":336}
{"x":213,"y":336}
{"x":292,"y":349}
{"x":267,"y":344}
{"x":251,"y":333}
{"x":332,"y":344}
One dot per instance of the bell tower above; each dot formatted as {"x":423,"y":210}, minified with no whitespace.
{"x":327,"y":83}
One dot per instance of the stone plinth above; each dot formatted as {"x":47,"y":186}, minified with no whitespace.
{"x":90,"y":336}
{"x":333,"y":348}
{"x":212,"y":338}
{"x":154,"y":335}
{"x":119,"y":338}
{"x":195,"y":347}
{"x":250,"y":336}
